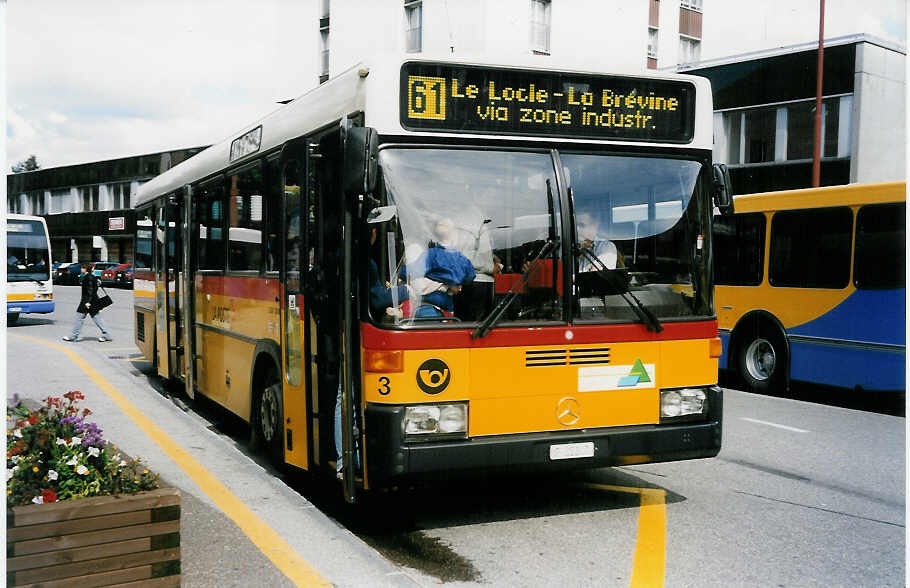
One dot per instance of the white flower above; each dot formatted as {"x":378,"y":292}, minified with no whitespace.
{"x":10,"y":474}
{"x":77,"y":441}
{"x":61,"y":441}
{"x":122,"y":463}
{"x":51,"y":475}
{"x":17,"y":433}
{"x":94,"y":451}
{"x":72,"y":461}
{"x":16,"y":458}
{"x":81,"y":470}
{"x":38,"y":500}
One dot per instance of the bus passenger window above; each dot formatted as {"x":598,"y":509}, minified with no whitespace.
{"x":211,"y":228}
{"x":273,"y":214}
{"x":144,"y":239}
{"x":739,"y":247}
{"x":880,"y":259}
{"x":811,"y":248}
{"x":245,"y":217}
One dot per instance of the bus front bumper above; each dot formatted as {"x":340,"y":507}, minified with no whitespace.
{"x":23,"y":307}
{"x":390,"y":458}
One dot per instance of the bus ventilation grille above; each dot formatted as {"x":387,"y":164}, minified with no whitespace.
{"x":551,"y":357}
{"x":140,"y":326}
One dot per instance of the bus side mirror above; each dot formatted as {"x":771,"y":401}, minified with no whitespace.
{"x":361,"y":147}
{"x":723,"y":189}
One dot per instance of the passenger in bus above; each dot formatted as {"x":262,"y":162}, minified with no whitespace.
{"x":476,"y":298}
{"x":382,"y":295}
{"x":438,"y":274}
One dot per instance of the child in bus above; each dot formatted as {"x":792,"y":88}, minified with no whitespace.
{"x":439,"y":272}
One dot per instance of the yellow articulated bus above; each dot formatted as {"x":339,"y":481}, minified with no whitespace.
{"x":811,"y":287}
{"x":424,"y":267}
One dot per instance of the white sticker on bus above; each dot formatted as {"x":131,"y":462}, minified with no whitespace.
{"x":616,"y":377}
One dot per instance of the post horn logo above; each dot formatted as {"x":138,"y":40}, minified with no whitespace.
{"x":433,"y":376}
{"x":568,"y":411}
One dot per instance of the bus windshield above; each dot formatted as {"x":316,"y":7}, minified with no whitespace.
{"x":469,"y":224}
{"x":26,"y":251}
{"x":637,"y":217}
{"x":467,"y":228}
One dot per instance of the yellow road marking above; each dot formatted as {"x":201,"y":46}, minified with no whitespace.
{"x":264,"y":537}
{"x":649,"y":561}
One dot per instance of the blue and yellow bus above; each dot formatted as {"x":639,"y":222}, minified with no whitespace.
{"x":29,"y":288}
{"x":810,"y":286}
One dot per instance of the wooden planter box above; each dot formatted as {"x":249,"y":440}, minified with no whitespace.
{"x":130,"y":539}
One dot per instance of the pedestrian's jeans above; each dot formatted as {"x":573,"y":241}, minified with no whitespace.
{"x":80,"y":318}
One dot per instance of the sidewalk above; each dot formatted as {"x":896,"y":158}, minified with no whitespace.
{"x":216,"y":551}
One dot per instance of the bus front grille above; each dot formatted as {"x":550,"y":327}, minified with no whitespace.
{"x":140,"y":326}
{"x":554,"y":357}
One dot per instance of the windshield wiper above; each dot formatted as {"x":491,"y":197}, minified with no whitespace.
{"x":618,"y":284}
{"x":532,"y":266}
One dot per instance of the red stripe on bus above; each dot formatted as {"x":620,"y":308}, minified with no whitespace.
{"x":376,"y":338}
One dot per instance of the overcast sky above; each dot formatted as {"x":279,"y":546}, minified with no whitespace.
{"x":99,"y":79}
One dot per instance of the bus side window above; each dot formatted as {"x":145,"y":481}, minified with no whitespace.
{"x":273,"y":212}
{"x":245,"y":219}
{"x":211,"y":227}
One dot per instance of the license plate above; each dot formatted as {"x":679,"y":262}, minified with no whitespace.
{"x":572,"y":450}
{"x":14,"y":309}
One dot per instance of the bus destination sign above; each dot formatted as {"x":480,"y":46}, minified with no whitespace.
{"x":472,"y":99}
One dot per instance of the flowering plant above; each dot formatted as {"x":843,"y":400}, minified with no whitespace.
{"x":53,"y":453}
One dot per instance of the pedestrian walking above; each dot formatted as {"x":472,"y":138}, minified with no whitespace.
{"x":90,"y":305}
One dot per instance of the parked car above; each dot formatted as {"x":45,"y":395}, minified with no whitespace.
{"x":108,"y":274}
{"x":124,"y":277}
{"x":100,"y":266}
{"x":68,"y":273}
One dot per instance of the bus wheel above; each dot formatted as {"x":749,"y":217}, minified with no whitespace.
{"x":268,"y":417}
{"x":762,"y":359}
{"x":12,"y":318}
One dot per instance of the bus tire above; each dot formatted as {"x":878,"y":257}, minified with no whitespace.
{"x":268,"y":418}
{"x":12,"y":318}
{"x":762,"y":358}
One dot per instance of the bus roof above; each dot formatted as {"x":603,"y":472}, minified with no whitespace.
{"x":844,"y":195}
{"x":373,"y":87}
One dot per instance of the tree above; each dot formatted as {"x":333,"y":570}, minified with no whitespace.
{"x":30,"y":164}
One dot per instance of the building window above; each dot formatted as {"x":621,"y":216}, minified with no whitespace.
{"x":36,"y":203}
{"x":652,"y":42}
{"x":89,"y":197}
{"x":60,"y":201}
{"x":540,"y":27}
{"x":689,"y":49}
{"x":413,"y":12}
{"x":13,"y":205}
{"x":691,"y":4}
{"x":785,"y":132}
{"x":120,"y":196}
{"x":324,"y":55}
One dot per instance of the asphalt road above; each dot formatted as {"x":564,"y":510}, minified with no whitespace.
{"x":802,"y":494}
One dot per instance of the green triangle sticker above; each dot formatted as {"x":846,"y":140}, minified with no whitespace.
{"x":639,"y":370}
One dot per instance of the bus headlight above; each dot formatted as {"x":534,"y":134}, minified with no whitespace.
{"x":682,"y":402}
{"x":424,"y":421}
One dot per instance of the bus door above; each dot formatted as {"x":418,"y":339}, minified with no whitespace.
{"x":172,"y":284}
{"x":295,"y":310}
